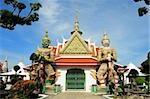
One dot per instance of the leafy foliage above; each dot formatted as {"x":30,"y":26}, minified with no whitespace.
{"x":24,"y":89}
{"x":15,"y":78}
{"x":9,"y":19}
{"x":140,"y":80}
{"x":146,"y":1}
{"x":146,"y":65}
{"x":16,"y":68}
{"x":143,"y":10}
{"x":2,"y":85}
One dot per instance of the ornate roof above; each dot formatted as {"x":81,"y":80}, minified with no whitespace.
{"x":76,"y":45}
{"x":76,"y":27}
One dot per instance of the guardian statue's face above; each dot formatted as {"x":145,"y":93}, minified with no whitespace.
{"x":105,"y":43}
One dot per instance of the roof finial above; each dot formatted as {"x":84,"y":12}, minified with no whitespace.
{"x":76,"y":26}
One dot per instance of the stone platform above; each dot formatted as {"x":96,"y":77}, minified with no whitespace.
{"x":75,"y":95}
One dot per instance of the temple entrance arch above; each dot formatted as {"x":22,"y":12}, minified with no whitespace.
{"x":75,"y":79}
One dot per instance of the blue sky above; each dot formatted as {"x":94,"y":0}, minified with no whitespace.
{"x":128,"y":33}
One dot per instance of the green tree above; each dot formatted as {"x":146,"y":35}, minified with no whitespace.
{"x":146,"y":65}
{"x":10,"y":18}
{"x":16,"y":68}
{"x":140,"y":80}
{"x":145,"y":69}
{"x":143,"y":10}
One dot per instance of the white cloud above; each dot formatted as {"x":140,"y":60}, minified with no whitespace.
{"x":49,"y":11}
{"x":62,"y":27}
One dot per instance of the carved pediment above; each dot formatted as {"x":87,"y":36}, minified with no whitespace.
{"x":76,"y":45}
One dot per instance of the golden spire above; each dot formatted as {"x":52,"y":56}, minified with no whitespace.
{"x":76,"y":26}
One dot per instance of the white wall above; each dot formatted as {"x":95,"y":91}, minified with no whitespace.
{"x":62,"y":79}
{"x":89,"y":80}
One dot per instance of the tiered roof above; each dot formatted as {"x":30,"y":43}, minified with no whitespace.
{"x":76,"y":50}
